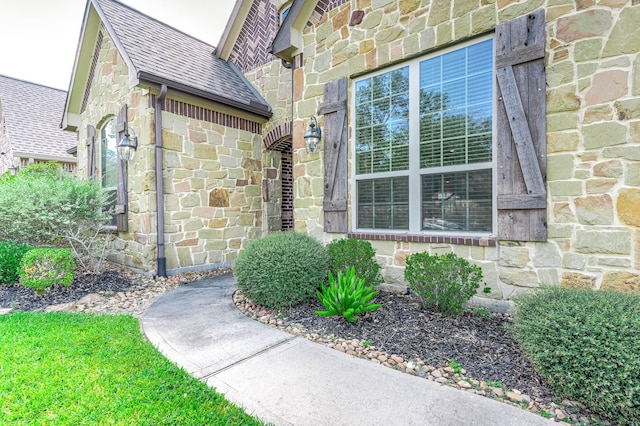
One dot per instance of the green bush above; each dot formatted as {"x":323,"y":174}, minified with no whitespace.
{"x":444,"y":282}
{"x":586,"y":344}
{"x":281,"y":269}
{"x":10,"y":256}
{"x":352,"y":252}
{"x":44,"y":205}
{"x":347,"y":296}
{"x":44,"y":267}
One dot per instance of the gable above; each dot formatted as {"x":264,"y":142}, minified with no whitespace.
{"x":157,"y":54}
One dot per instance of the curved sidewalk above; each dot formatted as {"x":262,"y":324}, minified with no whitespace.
{"x":288,"y":380}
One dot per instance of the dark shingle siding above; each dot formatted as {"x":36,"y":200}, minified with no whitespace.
{"x":32,"y":116}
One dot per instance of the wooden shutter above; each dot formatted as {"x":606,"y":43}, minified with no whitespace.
{"x":521,"y":129}
{"x":334,"y":134}
{"x":91,"y":151}
{"x":122,"y":215}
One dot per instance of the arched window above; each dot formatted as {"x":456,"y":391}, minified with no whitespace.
{"x":109,"y":162}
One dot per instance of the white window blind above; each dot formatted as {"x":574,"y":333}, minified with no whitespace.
{"x":423,"y":144}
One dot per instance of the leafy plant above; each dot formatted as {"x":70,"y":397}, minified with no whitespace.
{"x":481,"y":313}
{"x":10,"y":256}
{"x":43,"y":267}
{"x":352,"y":252}
{"x":347,"y":296}
{"x":444,"y":282}
{"x":494,"y":384}
{"x":281,"y":269}
{"x":46,"y":206}
{"x":457,"y":368}
{"x":366,"y":343}
{"x":586,"y":344}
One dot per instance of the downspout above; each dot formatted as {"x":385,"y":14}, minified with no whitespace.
{"x":162,"y":260}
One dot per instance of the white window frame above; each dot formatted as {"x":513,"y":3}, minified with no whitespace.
{"x":414,"y":172}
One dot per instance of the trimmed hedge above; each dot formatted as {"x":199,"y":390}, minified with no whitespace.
{"x":587,"y":345}
{"x":281,"y":269}
{"x":44,"y":267}
{"x":10,"y":257}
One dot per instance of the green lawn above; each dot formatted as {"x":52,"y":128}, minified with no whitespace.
{"x":73,"y":369}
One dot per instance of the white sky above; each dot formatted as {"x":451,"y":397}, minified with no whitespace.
{"x":38,"y":38}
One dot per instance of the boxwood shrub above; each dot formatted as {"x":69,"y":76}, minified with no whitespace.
{"x":44,"y":267}
{"x":586,"y":344}
{"x":10,"y":256}
{"x":352,"y":252}
{"x":281,"y":269}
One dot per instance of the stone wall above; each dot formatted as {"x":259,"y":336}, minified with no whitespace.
{"x":213,"y":193}
{"x":212,"y":173}
{"x":108,"y":91}
{"x":593,"y":121}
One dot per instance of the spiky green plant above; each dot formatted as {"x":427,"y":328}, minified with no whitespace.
{"x":347,"y":296}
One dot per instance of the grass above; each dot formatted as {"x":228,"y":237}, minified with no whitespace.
{"x":61,"y":368}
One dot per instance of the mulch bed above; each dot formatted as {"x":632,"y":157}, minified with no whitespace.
{"x":481,"y":344}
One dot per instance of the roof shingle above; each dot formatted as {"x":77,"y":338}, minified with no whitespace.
{"x":32,"y":118}
{"x":160,"y":51}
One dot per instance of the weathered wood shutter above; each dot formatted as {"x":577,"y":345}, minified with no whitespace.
{"x":122,"y":214}
{"x":91,"y":151}
{"x":334,"y":110}
{"x":521,"y":129}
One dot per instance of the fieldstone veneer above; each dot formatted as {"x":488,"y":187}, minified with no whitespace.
{"x":593,"y":128}
{"x":212,"y":173}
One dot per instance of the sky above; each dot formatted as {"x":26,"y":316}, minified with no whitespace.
{"x":38,"y":38}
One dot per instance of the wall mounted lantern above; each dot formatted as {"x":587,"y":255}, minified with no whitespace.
{"x":128,"y":145}
{"x":312,"y":137}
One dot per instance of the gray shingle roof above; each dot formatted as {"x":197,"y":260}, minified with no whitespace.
{"x":32,"y":119}
{"x":163,"y":54}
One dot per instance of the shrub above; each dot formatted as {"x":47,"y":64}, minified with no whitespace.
{"x":586,"y":344}
{"x":10,"y":256}
{"x":347,"y":296}
{"x":352,"y":252}
{"x":444,"y":282}
{"x":281,"y":269}
{"x":45,"y":206}
{"x":44,"y":267}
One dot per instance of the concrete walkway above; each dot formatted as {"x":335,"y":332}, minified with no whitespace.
{"x":288,"y":380}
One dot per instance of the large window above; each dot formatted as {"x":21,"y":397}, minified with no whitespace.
{"x":109,"y":162}
{"x":423,"y":144}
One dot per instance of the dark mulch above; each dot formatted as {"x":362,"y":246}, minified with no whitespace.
{"x":26,"y":299}
{"x":480,"y":344}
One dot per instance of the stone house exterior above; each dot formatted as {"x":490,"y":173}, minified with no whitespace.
{"x":30,"y":126}
{"x":505,"y":131}
{"x":193,"y":114}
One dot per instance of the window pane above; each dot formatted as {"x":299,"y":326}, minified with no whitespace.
{"x":457,"y":201}
{"x":456,"y":91}
{"x":383,"y":203}
{"x":109,"y":155}
{"x":109,"y":164}
{"x":382,"y":122}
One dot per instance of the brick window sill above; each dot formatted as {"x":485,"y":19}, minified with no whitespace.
{"x":420,"y":238}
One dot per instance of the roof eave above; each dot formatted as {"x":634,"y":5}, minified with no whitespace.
{"x":288,"y":41}
{"x":232,"y":29}
{"x":262,"y":110}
